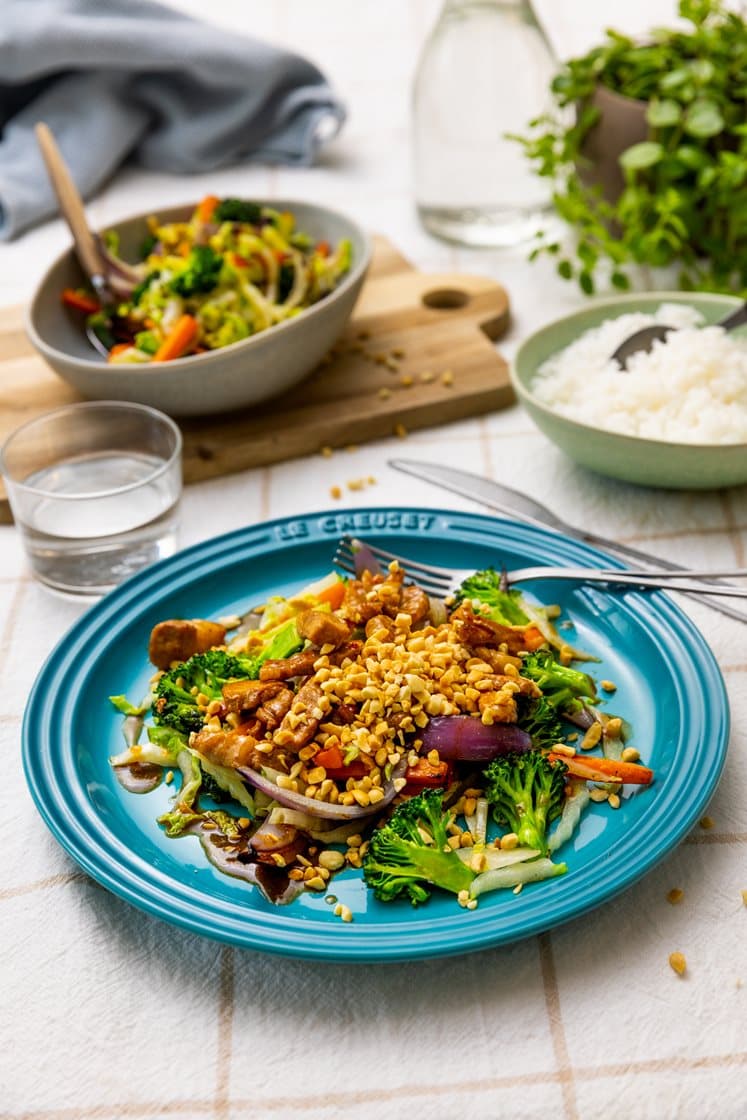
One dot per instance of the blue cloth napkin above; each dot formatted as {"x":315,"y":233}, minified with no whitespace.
{"x":130,"y":78}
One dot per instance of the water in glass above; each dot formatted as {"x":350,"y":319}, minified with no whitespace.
{"x":99,"y":520}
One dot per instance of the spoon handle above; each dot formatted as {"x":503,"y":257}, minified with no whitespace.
{"x":71,"y":204}
{"x":735,"y":319}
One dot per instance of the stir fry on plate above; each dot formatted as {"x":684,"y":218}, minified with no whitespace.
{"x":362,"y":724}
{"x":235,"y":268}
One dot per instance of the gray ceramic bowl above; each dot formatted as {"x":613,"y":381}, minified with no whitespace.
{"x":648,"y":462}
{"x":245,"y":373}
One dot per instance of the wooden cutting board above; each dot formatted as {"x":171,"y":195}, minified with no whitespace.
{"x":418,"y":352}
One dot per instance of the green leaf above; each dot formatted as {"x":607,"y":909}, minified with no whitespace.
{"x":693,"y":157}
{"x":674,"y":79}
{"x":123,"y":705}
{"x":565,"y":269}
{"x":586,"y":281}
{"x":662,"y":114}
{"x":620,"y":280}
{"x":642,"y":155}
{"x":702,"y":70}
{"x":703,"y":119}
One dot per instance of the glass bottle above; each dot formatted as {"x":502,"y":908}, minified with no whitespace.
{"x":485,"y":70}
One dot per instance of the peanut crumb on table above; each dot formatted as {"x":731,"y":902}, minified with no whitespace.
{"x":678,"y":963}
{"x":447,"y":378}
{"x":706,"y":822}
{"x":675,"y":895}
{"x":335,"y":492}
{"x":400,"y":431}
{"x":326,"y":452}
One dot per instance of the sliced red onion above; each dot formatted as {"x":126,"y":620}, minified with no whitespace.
{"x":583,"y":718}
{"x":468,"y":739}
{"x":132,"y":727}
{"x":437,"y":614}
{"x":323,"y":809}
{"x":364,"y":560}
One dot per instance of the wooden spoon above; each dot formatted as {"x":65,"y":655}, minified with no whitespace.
{"x":110,"y":278}
{"x":71,"y":205}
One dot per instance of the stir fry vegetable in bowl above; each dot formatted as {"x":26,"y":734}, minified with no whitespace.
{"x":362,"y":727}
{"x":234,"y":268}
{"x":212,"y":306}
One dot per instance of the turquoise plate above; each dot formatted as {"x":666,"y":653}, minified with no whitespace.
{"x":669,"y":687}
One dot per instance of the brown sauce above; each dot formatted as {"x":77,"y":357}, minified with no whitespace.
{"x":234,"y":857}
{"x":139,"y":777}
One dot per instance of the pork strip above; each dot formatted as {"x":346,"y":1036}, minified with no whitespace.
{"x":177,"y":639}
{"x":322,"y":628}
{"x":314,"y":703}
{"x":241,"y":696}
{"x":474,"y":630}
{"x":273,"y":711}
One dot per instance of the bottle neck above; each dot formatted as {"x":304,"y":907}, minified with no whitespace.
{"x":520,"y":9}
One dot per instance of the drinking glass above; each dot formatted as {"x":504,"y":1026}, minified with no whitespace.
{"x":94,"y":489}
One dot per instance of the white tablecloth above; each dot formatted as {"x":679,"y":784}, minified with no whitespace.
{"x":108,"y":1013}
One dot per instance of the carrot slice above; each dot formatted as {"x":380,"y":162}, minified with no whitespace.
{"x":595,"y":769}
{"x":533,"y":638}
{"x":118,"y":348}
{"x":423,"y":774}
{"x":80,"y":301}
{"x":354,"y":769}
{"x":206,"y":208}
{"x":334,"y":594}
{"x":330,"y":758}
{"x":178,"y":341}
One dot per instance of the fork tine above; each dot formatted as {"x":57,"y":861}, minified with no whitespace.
{"x":344,"y":560}
{"x":429,"y":570}
{"x":433,"y":582}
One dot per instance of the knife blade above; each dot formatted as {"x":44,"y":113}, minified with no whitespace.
{"x":512,"y":503}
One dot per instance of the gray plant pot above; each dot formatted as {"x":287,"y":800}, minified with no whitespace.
{"x":621,"y":124}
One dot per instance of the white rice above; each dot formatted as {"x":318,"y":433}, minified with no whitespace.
{"x":691,"y":388}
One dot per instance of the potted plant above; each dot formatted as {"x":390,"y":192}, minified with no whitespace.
{"x":647,"y":147}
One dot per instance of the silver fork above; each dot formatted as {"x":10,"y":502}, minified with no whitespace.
{"x":444,"y":581}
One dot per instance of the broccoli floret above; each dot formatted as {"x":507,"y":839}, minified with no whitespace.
{"x":562,"y":686}
{"x":286,"y":276}
{"x":221,"y":327}
{"x":147,"y":245}
{"x":147,"y":341}
{"x":176,"y":705}
{"x":140,"y":289}
{"x":410,"y":853}
{"x":527,"y":793}
{"x":498,"y":605}
{"x":237,"y":210}
{"x":539,"y":719}
{"x":200,"y":274}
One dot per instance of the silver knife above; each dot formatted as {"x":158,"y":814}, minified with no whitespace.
{"x":514,"y":504}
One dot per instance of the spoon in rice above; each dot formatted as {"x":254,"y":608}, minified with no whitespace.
{"x":643,"y":340}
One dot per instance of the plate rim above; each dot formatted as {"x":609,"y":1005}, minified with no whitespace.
{"x":289,"y":935}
